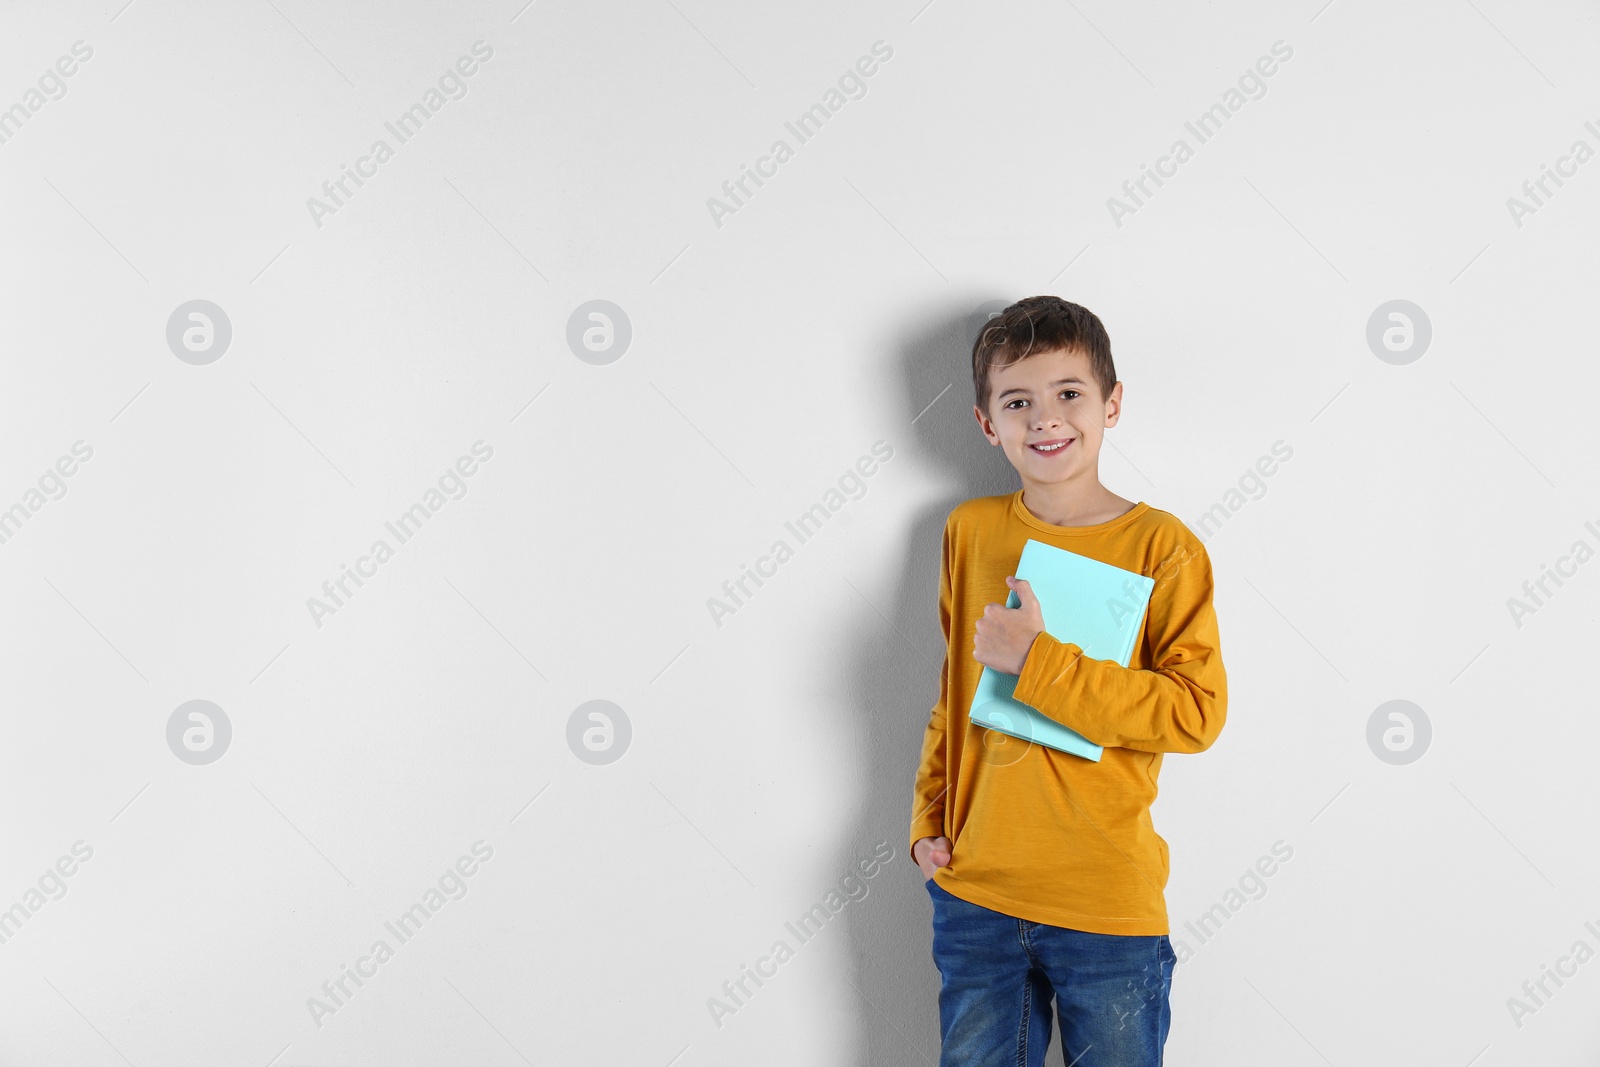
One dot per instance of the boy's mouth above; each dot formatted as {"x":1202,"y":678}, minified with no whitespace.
{"x":1053,"y":447}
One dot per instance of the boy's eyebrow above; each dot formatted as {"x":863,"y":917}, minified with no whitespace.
{"x":1020,"y":389}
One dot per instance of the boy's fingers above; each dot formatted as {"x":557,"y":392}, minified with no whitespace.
{"x":937,"y":855}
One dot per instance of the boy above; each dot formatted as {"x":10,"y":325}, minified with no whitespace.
{"x":1045,"y":870}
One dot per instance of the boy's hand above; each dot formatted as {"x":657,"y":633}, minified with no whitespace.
{"x":931,"y":853}
{"x":1004,"y":635}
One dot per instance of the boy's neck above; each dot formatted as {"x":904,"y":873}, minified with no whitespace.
{"x":1073,"y":503}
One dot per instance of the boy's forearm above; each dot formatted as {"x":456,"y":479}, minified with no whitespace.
{"x":1178,"y":708}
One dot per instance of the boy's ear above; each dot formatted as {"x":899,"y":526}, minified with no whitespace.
{"x":1114,"y":405}
{"x":984,"y":425}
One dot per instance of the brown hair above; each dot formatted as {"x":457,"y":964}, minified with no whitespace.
{"x":1038,"y":324}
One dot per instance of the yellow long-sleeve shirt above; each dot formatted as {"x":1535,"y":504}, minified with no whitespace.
{"x":1040,"y":834}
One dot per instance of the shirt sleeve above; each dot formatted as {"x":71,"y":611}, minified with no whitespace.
{"x":927,"y":802}
{"x":1179,"y":705}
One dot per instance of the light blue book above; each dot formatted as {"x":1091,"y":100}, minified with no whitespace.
{"x":1098,"y":607}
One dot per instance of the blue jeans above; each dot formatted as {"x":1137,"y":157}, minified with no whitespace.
{"x":998,"y":974}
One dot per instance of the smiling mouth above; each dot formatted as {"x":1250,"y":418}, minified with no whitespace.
{"x":1051,"y":448}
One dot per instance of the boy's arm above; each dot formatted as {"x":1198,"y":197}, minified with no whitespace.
{"x":1177,"y":706}
{"x":927,"y":804}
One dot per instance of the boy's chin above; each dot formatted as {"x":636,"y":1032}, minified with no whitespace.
{"x":1031,"y":481}
{"x":1055,"y":469}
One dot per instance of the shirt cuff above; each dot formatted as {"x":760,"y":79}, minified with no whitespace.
{"x":1051,"y":681}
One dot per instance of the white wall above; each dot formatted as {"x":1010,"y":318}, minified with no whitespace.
{"x":373,"y":346}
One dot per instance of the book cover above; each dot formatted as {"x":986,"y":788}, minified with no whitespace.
{"x":1094,"y":605}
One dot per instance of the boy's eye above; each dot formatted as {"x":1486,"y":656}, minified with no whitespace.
{"x":1073,"y":392}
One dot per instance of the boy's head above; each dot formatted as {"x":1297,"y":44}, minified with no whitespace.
{"x":1042,"y":374}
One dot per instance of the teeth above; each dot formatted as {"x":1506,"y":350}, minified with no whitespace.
{"x":1049,"y":448}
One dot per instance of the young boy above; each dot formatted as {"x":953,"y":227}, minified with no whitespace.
{"x":1045,"y":870}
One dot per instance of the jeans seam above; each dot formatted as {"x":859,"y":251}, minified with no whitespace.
{"x":1022,"y":1025}
{"x":1027,"y":995}
{"x":1162,"y":990}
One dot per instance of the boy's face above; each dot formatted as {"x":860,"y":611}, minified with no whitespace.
{"x":1047,"y":399}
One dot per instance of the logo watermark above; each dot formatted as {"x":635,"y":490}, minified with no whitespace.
{"x":199,"y":332}
{"x":199,"y":732}
{"x":599,"y":732}
{"x":599,"y":332}
{"x":1399,"y":732}
{"x":1399,"y":332}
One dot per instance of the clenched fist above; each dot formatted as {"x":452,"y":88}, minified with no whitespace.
{"x":1004,"y":635}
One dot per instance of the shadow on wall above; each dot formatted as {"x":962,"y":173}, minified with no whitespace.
{"x":894,"y":679}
